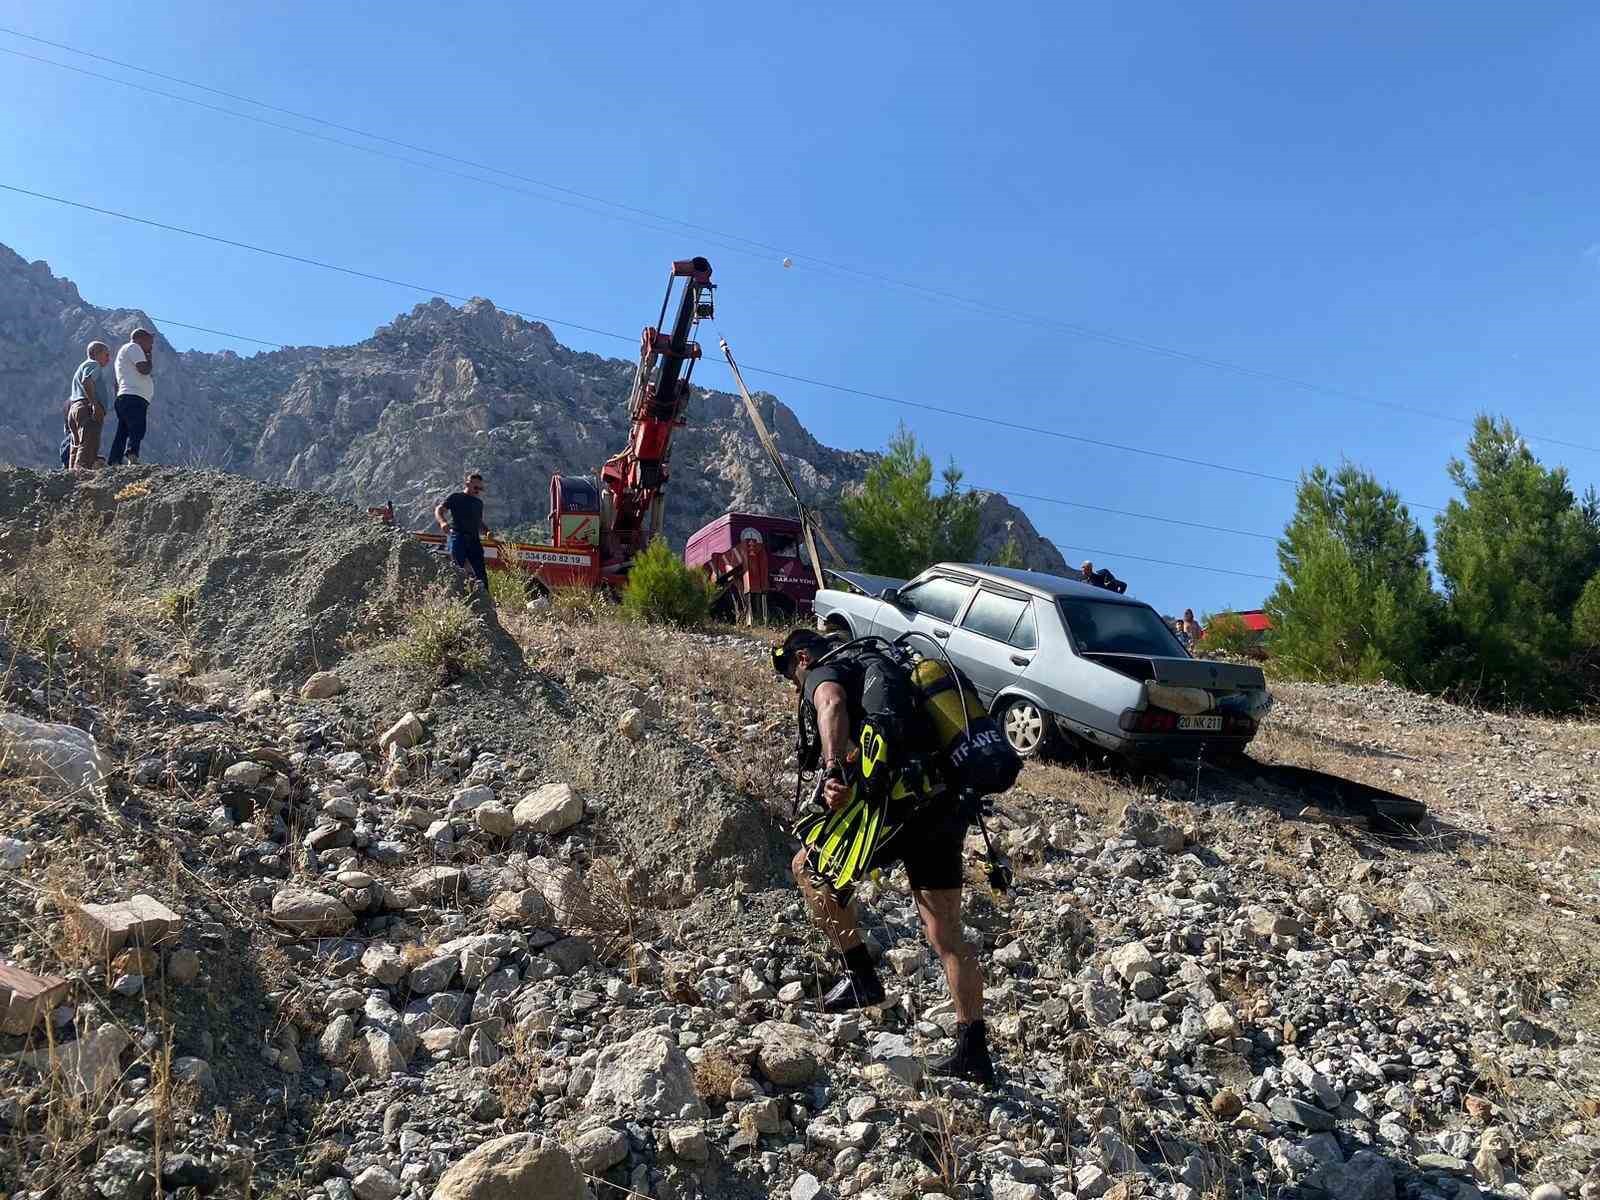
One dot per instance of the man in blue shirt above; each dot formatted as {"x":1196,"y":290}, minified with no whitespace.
{"x":465,"y":526}
{"x":87,"y":401}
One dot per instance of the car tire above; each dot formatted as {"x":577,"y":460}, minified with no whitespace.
{"x":1029,"y":728}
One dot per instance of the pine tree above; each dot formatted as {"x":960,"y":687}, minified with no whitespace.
{"x":1355,"y":601}
{"x":897,"y":522}
{"x":1515,"y":552}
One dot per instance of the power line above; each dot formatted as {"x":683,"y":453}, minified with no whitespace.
{"x":1120,"y":512}
{"x":1113,"y":554}
{"x":999,"y":422}
{"x":746,"y":245}
{"x":971,"y":487}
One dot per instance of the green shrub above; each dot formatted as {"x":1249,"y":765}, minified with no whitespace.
{"x":441,"y":634}
{"x":1586,"y":617}
{"x":508,"y":589}
{"x":1226,"y":634}
{"x":662,"y":591}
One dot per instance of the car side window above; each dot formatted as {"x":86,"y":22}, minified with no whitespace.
{"x":1025,"y":634}
{"x":940,"y":597}
{"x":994,"y":615}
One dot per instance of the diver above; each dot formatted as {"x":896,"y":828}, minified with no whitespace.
{"x":859,"y":831}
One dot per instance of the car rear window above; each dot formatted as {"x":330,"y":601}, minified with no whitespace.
{"x":939,"y":597}
{"x":1099,"y":627}
{"x":994,"y":615}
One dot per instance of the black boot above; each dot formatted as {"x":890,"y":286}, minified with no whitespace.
{"x":971,"y":1059}
{"x":855,"y":989}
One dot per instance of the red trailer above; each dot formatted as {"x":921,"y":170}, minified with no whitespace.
{"x":757,"y":558}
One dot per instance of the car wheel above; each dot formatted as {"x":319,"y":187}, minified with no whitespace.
{"x":1028,"y":728}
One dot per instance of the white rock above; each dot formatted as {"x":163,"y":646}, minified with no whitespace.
{"x":311,"y":914}
{"x":1132,"y":960}
{"x":645,"y":1074}
{"x":553,"y":808}
{"x":1357,"y":912}
{"x":467,"y":799}
{"x":322,"y":686}
{"x":13,"y":853}
{"x":495,"y":819}
{"x":244,"y":774}
{"x":375,"y":1184}
{"x":405,"y":733}
{"x":518,"y":1166}
{"x":55,"y":758}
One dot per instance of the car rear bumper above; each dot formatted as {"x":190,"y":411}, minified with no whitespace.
{"x":1156,"y":745}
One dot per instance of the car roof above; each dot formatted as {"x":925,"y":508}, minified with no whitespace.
{"x":1037,"y":582}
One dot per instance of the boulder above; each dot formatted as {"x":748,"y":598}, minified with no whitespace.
{"x":646,"y":1074}
{"x":311,"y":914}
{"x":1132,"y":960}
{"x":324,"y":685}
{"x":553,"y":808}
{"x":55,"y":758}
{"x":515,"y":1167}
{"x":405,"y":733}
{"x":495,"y":819}
{"x":1359,"y":913}
{"x":599,"y":1150}
{"x":1367,"y":1176}
{"x":467,"y":799}
{"x":789,"y":1055}
{"x":435,"y":884}
{"x":123,"y":1173}
{"x":631,"y":724}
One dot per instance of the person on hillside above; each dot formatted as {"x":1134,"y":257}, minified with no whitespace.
{"x":136,"y":388}
{"x":87,"y":400}
{"x":460,"y":515}
{"x":835,"y":700}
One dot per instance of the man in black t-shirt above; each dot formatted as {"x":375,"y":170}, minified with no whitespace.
{"x":836,"y":696}
{"x":464,"y":526}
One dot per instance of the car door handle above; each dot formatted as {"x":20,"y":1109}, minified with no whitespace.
{"x":1019,"y":660}
{"x":941,"y":633}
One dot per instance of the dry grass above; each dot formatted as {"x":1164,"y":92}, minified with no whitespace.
{"x":716,"y":1074}
{"x":441,"y":636}
{"x":579,"y":629}
{"x":62,"y":594}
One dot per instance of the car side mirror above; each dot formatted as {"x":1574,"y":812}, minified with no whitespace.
{"x":891,"y":596}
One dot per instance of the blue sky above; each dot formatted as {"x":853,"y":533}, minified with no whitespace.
{"x":1392,"y":201}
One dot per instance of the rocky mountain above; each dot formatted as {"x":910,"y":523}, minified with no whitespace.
{"x":397,"y":416}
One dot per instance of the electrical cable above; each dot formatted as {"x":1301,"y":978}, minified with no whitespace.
{"x":838,"y":387}
{"x":747,"y":245}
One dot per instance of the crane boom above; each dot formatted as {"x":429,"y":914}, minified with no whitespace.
{"x":624,"y":513}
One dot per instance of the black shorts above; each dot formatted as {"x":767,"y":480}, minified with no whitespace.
{"x":931,"y":850}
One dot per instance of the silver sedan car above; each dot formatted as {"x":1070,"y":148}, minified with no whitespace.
{"x":1058,"y":660}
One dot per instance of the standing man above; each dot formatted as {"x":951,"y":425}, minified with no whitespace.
{"x":86,"y":406}
{"x":929,"y":844}
{"x":464,"y":526}
{"x":136,"y":387}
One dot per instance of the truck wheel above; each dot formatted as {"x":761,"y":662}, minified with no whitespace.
{"x":1029,"y":729}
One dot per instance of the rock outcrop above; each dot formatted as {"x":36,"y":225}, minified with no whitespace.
{"x":397,"y":416}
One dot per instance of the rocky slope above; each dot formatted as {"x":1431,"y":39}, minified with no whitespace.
{"x":398,"y":415}
{"x":525,"y":929}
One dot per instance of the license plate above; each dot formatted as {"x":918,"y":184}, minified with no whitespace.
{"x":1207,"y":724}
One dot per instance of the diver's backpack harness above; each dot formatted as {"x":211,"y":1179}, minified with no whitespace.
{"x":925,"y":738}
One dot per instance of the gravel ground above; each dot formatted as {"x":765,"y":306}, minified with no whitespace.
{"x":1200,"y":987}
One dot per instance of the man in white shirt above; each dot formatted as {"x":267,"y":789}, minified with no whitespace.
{"x":136,"y":387}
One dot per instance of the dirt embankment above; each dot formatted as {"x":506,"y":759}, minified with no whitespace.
{"x":279,"y":579}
